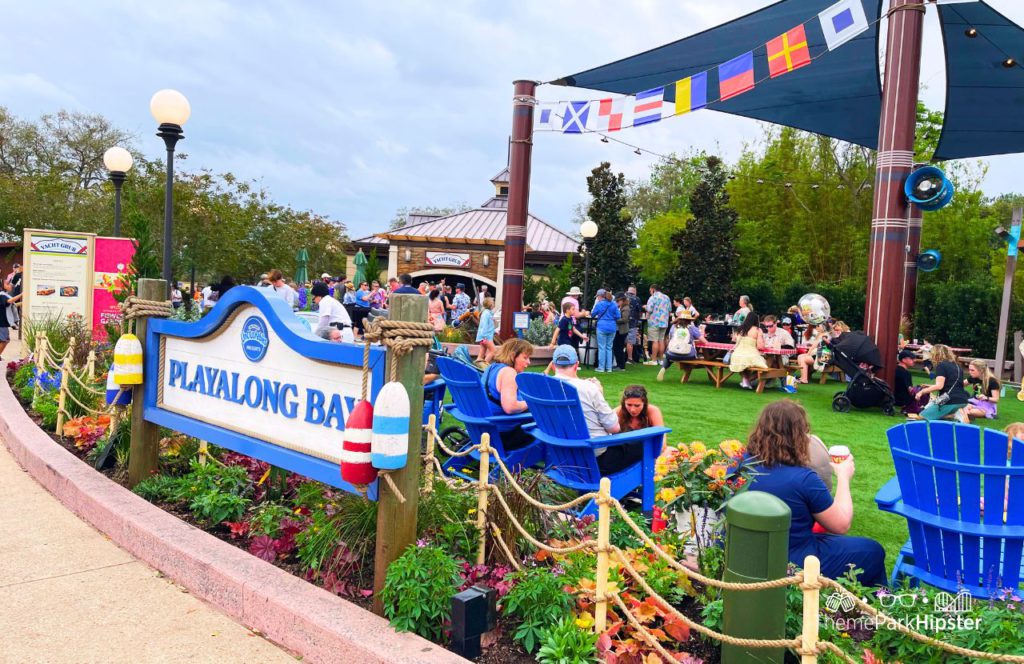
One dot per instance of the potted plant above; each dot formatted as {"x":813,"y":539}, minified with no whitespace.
{"x":694,"y":482}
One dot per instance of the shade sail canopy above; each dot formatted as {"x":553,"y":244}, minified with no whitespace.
{"x":984,"y":99}
{"x":838,"y":94}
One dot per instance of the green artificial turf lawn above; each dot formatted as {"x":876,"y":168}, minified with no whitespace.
{"x":697,"y":411}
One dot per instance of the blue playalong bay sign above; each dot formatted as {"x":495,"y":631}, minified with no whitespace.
{"x":251,"y":377}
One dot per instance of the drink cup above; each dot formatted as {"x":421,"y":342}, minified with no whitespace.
{"x":839,"y":453}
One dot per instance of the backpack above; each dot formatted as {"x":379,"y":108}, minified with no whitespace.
{"x":680,"y":343}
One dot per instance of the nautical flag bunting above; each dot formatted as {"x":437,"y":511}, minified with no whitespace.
{"x":736,"y":76}
{"x":609,"y":114}
{"x":788,"y":51}
{"x":648,"y":106}
{"x":692,"y":93}
{"x":575,"y":120}
{"x":547,"y":117}
{"x":842,"y":22}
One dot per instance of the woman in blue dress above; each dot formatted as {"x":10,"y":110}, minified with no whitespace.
{"x":780,"y":441}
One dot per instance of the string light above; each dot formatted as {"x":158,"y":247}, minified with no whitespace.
{"x":971,"y":32}
{"x":1009,"y":63}
{"x":604,"y":139}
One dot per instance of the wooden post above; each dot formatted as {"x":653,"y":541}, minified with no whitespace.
{"x":203,"y":452}
{"x":396,"y":521}
{"x":69,"y":352}
{"x":1018,"y":359}
{"x":481,"y":496}
{"x":40,"y":362}
{"x":428,"y":466}
{"x":90,"y":365}
{"x":144,"y":454}
{"x":812,"y":568}
{"x":604,"y":522}
{"x":1004,"y":309}
{"x":63,"y":396}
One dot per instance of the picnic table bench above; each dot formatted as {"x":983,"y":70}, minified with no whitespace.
{"x":718,"y":371}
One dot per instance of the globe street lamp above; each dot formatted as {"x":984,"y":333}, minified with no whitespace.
{"x":118,"y":162}
{"x":588,"y":229}
{"x":171,"y":110}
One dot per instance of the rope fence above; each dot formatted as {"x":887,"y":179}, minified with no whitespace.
{"x":809,"y":580}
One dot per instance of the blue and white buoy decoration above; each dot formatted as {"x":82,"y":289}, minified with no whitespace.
{"x":115,"y":395}
{"x":390,"y":445}
{"x":128,"y":360}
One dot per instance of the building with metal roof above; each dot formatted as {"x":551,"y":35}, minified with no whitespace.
{"x":466,"y":247}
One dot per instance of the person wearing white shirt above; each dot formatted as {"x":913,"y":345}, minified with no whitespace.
{"x":332,"y":313}
{"x":601,"y":419}
{"x":278,"y":287}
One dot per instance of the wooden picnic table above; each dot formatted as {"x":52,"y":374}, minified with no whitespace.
{"x":718,"y":371}
{"x":714,"y":345}
{"x":957,"y":351}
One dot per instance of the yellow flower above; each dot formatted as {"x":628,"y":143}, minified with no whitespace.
{"x":667,"y":495}
{"x":658,"y":477}
{"x":585,"y":621}
{"x":697,"y":447}
{"x":683,"y":448}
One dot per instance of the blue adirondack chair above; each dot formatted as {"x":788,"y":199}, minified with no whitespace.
{"x":433,"y":401}
{"x":472,"y":408}
{"x":951,"y":486}
{"x":570,"y":459}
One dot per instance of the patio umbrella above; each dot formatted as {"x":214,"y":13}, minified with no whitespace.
{"x":360,"y":275}
{"x":301,"y":271}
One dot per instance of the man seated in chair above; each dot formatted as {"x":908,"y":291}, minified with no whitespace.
{"x":601,"y":419}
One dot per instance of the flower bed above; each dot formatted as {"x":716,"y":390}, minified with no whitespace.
{"x":546,"y":606}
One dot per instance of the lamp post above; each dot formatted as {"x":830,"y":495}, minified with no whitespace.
{"x":171,"y":110}
{"x":118,"y":162}
{"x":588,"y":229}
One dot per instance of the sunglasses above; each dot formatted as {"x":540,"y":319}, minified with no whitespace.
{"x":635,"y":393}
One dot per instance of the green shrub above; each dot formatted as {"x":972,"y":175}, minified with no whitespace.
{"x":348,"y":519}
{"x":536,"y":601}
{"x":539,"y":333}
{"x":567,"y":643}
{"x":22,"y":375}
{"x":267,"y":518}
{"x":45,"y":405}
{"x":445,"y":517}
{"x":418,"y":591}
{"x":214,"y":493}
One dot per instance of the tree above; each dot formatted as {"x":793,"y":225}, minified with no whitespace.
{"x":373,"y":266}
{"x":401,"y":218}
{"x":668,"y":188}
{"x":610,"y":264}
{"x":655,"y":257}
{"x":707,"y":245}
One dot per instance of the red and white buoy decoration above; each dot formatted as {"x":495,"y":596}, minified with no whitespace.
{"x":356,"y":467}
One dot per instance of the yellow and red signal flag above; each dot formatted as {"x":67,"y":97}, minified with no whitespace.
{"x":788,"y":51}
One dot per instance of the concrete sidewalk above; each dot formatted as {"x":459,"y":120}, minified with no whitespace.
{"x":68,"y":594}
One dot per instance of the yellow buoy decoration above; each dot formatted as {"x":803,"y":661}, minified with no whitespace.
{"x":127,"y":367}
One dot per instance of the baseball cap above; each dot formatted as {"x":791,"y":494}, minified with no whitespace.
{"x":601,"y":292}
{"x":461,"y":285}
{"x":325,"y":276}
{"x":565,"y":356}
{"x":786,"y":320}
{"x":904,"y":354}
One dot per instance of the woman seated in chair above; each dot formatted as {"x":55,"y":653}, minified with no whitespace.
{"x":813,"y":337}
{"x":781,"y":440}
{"x":636,"y":412}
{"x":499,"y":379}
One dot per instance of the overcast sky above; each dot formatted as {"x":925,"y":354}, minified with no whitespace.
{"x":354,"y":109}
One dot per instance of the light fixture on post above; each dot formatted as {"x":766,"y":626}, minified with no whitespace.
{"x":408,"y":255}
{"x":171,"y":109}
{"x":588,"y":229}
{"x":118,"y":162}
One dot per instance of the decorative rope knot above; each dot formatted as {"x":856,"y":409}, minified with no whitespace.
{"x":806,"y":585}
{"x":399,"y":337}
{"x":135,"y":307}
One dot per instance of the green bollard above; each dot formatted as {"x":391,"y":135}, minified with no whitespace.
{"x":756,"y":549}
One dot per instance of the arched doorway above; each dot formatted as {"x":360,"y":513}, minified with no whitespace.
{"x":451,"y":278}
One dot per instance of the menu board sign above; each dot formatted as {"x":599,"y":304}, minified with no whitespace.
{"x":58,"y":274}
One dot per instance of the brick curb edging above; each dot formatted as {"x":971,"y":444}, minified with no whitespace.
{"x":303,"y":618}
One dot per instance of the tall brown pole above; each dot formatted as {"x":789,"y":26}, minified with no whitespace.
{"x":914,"y":216}
{"x":523,"y":102}
{"x":887,"y":258}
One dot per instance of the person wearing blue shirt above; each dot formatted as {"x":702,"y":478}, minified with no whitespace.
{"x":485,"y":332}
{"x":781,"y":442}
{"x":606,"y":313}
{"x":406,"y":287}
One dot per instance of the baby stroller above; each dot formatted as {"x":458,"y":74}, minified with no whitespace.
{"x":849,"y":353}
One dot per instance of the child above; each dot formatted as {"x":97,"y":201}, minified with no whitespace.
{"x":568,"y":332}
{"x":985,"y":388}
